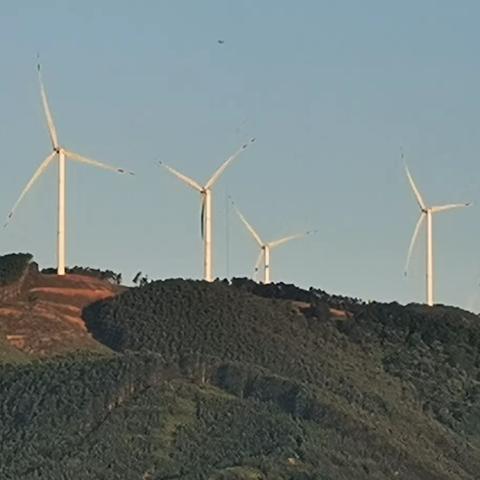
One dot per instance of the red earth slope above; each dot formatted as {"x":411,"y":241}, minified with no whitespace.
{"x":46,"y":318}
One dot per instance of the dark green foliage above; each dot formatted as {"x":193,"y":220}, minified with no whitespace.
{"x":179,"y":318}
{"x":436,"y":350}
{"x":221,"y":382}
{"x":49,"y":408}
{"x":12,"y":266}
{"x":287,"y":291}
{"x":332,"y":373}
{"x":108,"y":275}
{"x":86,"y":417}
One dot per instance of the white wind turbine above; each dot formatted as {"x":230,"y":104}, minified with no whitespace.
{"x":265,"y":248}
{"x":206,"y":212}
{"x":62,"y":154}
{"x":426,"y":213}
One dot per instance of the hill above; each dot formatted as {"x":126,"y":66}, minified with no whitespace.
{"x":41,"y":314}
{"x":392,"y":380}
{"x":240,"y":381}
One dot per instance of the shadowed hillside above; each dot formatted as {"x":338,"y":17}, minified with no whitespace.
{"x":348,"y":376}
{"x":220,"y":381}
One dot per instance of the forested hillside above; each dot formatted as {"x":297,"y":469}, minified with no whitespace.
{"x":240,"y":381}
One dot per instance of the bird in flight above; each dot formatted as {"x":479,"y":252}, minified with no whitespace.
{"x":220,"y":42}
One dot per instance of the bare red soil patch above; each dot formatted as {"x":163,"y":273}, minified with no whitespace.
{"x":47,"y":317}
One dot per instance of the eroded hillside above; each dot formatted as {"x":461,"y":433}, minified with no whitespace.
{"x":41,"y":315}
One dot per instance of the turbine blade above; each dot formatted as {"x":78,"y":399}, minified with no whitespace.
{"x":442,"y":208}
{"x":189,"y":181}
{"x":227,"y":162}
{"x":254,"y":234}
{"x":202,"y":218}
{"x":80,"y":158}
{"x":283,"y":240}
{"x":48,"y":114}
{"x":419,"y":198}
{"x":259,"y":261}
{"x":40,"y":170}
{"x":413,"y":239}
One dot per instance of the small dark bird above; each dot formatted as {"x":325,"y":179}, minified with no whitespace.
{"x":220,"y":42}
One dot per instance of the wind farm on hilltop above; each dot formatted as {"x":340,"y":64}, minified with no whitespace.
{"x":282,"y":279}
{"x":61,"y":154}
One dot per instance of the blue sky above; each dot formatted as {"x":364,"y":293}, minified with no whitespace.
{"x":331,"y":90}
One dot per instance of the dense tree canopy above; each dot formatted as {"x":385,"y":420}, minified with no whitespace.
{"x":222,"y":382}
{"x":12,"y":266}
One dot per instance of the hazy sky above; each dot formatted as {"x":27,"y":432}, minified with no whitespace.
{"x":331,"y":90}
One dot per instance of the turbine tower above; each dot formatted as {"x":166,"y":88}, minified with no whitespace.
{"x":265,"y":248}
{"x":206,"y":212}
{"x":61,"y":154}
{"x":426,"y":213}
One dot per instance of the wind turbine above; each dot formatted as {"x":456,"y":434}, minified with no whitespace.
{"x":61,"y":154}
{"x":265,"y":248}
{"x":206,"y":212}
{"x":426,"y":213}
